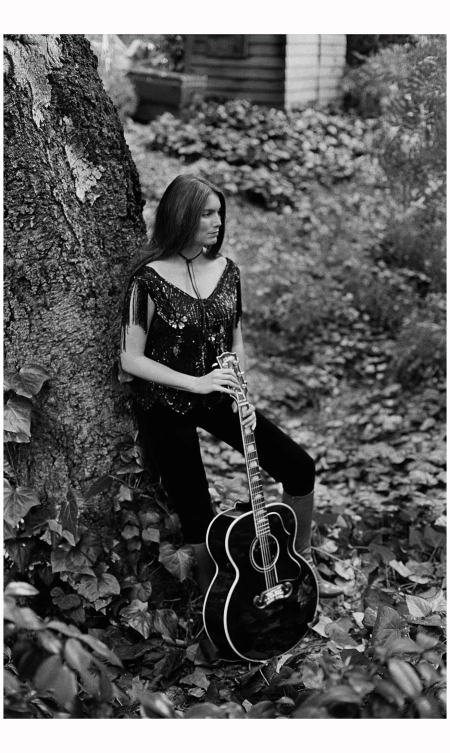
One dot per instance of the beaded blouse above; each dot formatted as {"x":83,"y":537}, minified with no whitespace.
{"x":185,"y":334}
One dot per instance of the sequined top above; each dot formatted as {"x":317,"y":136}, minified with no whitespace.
{"x":185,"y":334}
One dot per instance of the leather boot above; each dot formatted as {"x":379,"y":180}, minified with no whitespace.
{"x":303,"y":509}
{"x":204,"y":569}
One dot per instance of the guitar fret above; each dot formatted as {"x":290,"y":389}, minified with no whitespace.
{"x":260,"y":515}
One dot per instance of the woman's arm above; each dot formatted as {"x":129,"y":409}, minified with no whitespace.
{"x":134,"y":362}
{"x":238,"y":346}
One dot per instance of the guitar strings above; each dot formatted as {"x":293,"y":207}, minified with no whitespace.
{"x":259,"y":507}
{"x":254,"y":491}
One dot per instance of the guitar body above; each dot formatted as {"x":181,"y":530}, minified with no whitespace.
{"x":245,"y":616}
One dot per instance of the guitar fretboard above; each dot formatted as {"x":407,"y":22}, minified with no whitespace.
{"x":254,"y":480}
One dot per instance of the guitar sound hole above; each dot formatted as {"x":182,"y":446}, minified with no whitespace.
{"x":264,"y":556}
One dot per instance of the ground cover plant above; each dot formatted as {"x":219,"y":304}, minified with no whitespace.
{"x":344,"y":327}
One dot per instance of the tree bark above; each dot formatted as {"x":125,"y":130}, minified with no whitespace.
{"x":73,"y":222}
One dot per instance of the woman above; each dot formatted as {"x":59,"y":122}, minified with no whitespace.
{"x":182,"y":309}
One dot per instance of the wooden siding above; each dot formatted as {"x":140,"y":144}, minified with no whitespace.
{"x":314,"y":66}
{"x":279,"y":70}
{"x":258,"y":77}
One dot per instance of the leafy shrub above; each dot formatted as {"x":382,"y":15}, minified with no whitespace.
{"x":162,"y":51}
{"x":54,"y":670}
{"x":112,"y":69}
{"x":420,"y":355}
{"x":360,"y":46}
{"x":412,"y":243}
{"x":407,"y":87}
{"x":263,"y":153}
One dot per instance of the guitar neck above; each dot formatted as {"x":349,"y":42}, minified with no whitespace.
{"x":254,"y":477}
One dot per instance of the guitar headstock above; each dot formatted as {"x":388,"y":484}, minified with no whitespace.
{"x":230,"y":360}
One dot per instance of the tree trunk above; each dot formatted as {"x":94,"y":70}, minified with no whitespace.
{"x":73,"y":222}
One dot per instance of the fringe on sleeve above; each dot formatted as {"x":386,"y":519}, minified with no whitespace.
{"x":135,"y":308}
{"x":238,"y":313}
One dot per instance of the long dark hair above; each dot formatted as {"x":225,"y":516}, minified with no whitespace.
{"x":177,"y":218}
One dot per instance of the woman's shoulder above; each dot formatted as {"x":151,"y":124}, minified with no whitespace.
{"x":228,"y":261}
{"x":231,"y":265}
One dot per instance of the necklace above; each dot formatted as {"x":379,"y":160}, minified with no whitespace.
{"x":189,"y":261}
{"x":203,"y":319}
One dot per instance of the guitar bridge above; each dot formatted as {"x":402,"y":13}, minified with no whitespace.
{"x":280,"y":591}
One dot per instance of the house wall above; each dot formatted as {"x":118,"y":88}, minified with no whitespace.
{"x":314,"y":67}
{"x":256,"y":74}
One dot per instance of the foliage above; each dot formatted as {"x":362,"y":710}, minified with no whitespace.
{"x":162,"y":51}
{"x":169,"y":52}
{"x":53,"y":670}
{"x":360,"y":46}
{"x":411,"y":145}
{"x":112,"y":69}
{"x":263,"y":154}
{"x":376,"y":653}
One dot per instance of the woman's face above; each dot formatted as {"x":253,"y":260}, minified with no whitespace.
{"x":210,"y":222}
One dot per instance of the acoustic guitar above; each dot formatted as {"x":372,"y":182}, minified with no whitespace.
{"x":264,"y":594}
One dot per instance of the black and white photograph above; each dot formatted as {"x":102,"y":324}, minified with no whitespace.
{"x":224,"y":322}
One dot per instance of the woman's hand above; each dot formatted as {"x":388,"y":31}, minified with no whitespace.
{"x":248,"y":415}
{"x":218,"y":380}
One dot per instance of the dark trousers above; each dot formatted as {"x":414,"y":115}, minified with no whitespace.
{"x":171,"y":439}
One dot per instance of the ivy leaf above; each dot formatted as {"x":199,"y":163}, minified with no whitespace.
{"x":71,"y":601}
{"x":101,"y":649}
{"x":98,"y":587}
{"x":129,"y":532}
{"x":17,"y":502}
{"x":154,"y":705}
{"x":312,"y":675}
{"x":27,"y":381}
{"x":20,"y":552}
{"x":17,"y":588}
{"x":400,"y":568}
{"x":17,"y":416}
{"x":320,"y":626}
{"x":418,"y":607}
{"x":345,"y":571}
{"x":54,"y":675}
{"x":102,"y":484}
{"x":340,"y":636}
{"x":385,"y":554}
{"x":124,"y":494}
{"x":69,"y":513}
{"x":166,"y":623}
{"x":56,"y":527}
{"x":177,"y":561}
{"x":18,"y":437}
{"x":388,"y":625}
{"x":76,"y":559}
{"x":80,"y":660}
{"x":197,"y":678}
{"x":138,"y":617}
{"x":151,"y":534}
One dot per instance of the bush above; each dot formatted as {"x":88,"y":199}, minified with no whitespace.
{"x":413,"y":244}
{"x":112,"y":69}
{"x":53,"y":669}
{"x":262,"y":153}
{"x":420,"y":355}
{"x":360,"y":46}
